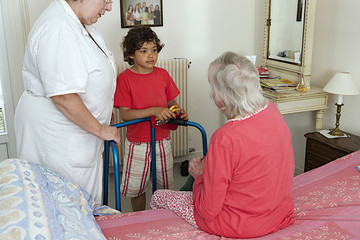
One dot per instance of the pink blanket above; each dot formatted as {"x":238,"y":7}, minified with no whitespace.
{"x":326,"y":199}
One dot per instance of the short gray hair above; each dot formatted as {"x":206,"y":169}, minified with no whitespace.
{"x":235,"y":80}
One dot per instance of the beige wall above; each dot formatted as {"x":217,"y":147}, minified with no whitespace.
{"x":336,"y":46}
{"x":201,"y":30}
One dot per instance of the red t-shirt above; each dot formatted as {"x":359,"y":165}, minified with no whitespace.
{"x":245,"y":190}
{"x":140,"y":91}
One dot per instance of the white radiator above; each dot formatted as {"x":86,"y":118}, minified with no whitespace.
{"x":178,"y":69}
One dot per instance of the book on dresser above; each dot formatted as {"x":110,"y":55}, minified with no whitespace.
{"x":278,"y":84}
{"x":263,"y":72}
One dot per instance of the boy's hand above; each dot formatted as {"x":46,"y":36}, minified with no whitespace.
{"x":179,"y":112}
{"x":173,"y":106}
{"x":163,"y":114}
{"x":184,"y":114}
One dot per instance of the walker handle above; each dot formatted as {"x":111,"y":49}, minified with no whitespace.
{"x":178,"y":121}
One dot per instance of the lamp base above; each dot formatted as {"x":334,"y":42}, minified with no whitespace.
{"x":336,"y":132}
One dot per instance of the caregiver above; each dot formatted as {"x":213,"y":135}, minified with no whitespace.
{"x":69,"y":76}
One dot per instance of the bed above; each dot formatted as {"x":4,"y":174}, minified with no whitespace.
{"x":326,"y":199}
{"x":36,"y":203}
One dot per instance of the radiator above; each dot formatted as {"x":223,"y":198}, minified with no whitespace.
{"x":178,"y":69}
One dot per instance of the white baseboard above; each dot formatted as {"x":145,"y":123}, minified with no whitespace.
{"x":298,"y":171}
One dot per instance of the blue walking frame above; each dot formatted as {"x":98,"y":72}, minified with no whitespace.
{"x":111,"y":144}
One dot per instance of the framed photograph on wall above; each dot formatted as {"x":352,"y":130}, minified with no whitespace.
{"x":144,"y":12}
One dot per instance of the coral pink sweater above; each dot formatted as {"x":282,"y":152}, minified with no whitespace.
{"x":245,"y":190}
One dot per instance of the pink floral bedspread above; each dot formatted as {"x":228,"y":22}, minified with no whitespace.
{"x":326,"y":199}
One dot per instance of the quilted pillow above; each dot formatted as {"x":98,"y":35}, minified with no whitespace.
{"x":36,"y":203}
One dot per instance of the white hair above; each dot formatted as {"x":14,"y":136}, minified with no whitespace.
{"x":235,"y":80}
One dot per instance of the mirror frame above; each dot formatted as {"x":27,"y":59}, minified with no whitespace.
{"x":292,"y":71}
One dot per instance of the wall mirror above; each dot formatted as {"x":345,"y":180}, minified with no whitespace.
{"x":288,"y":36}
{"x":286,"y":30}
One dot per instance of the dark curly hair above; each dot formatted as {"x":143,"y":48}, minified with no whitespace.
{"x":134,"y":40}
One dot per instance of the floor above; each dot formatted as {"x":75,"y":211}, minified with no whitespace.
{"x":125,"y":202}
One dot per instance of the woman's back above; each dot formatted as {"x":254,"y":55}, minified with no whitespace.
{"x":245,"y":190}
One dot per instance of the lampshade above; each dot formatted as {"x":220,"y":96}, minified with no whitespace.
{"x":342,"y":84}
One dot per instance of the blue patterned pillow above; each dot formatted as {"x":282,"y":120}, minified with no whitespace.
{"x":36,"y":203}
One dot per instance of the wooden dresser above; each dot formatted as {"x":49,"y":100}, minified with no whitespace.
{"x":321,"y":150}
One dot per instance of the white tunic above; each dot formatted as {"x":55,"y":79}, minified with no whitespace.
{"x":61,"y":58}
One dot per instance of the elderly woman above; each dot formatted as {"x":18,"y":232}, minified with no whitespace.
{"x":243,"y":187}
{"x":69,"y":75}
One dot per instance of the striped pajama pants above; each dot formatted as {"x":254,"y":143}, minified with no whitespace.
{"x":137,"y":164}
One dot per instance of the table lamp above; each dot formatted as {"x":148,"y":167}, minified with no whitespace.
{"x":340,"y":84}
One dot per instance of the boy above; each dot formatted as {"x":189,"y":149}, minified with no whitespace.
{"x":142,"y":91}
